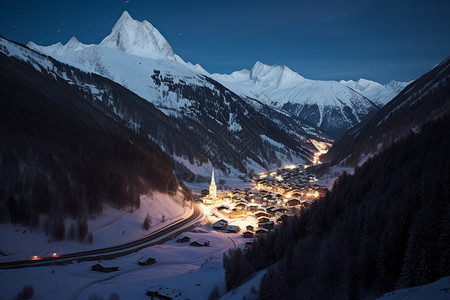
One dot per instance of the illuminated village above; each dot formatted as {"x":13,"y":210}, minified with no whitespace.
{"x":276,"y":196}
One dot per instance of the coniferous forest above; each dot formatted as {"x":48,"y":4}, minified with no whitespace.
{"x":385,"y":227}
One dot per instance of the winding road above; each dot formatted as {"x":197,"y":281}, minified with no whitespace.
{"x":158,"y":237}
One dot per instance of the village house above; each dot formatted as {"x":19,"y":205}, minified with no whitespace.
{"x":263,"y":219}
{"x":183,"y":239}
{"x":233,"y":228}
{"x":250,"y":228}
{"x":200,"y":243}
{"x":220,"y":225}
{"x":145,"y":261}
{"x":267,"y":225}
{"x":248,"y":234}
{"x":261,"y":232}
{"x":100,"y":268}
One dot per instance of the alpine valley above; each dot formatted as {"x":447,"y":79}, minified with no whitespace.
{"x":107,"y":151}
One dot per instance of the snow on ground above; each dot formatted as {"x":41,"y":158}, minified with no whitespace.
{"x":194,"y":271}
{"x":327,"y":180}
{"x":438,"y":290}
{"x":230,"y":182}
{"x":113,"y":227}
{"x":248,"y":290}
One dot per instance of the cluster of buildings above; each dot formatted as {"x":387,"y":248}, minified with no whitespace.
{"x":277,"y":195}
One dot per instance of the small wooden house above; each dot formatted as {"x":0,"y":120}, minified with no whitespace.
{"x":219,"y":225}
{"x":156,"y":295}
{"x":233,"y":228}
{"x":145,"y":261}
{"x":183,"y":239}
{"x":247,"y":234}
{"x":267,"y":225}
{"x":250,"y":228}
{"x":261,"y":232}
{"x":263,"y":219}
{"x":200,"y":243}
{"x":100,"y":268}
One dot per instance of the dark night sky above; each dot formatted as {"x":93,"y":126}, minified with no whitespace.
{"x":324,"y":39}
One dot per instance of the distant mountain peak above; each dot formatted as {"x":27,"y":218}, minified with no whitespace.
{"x":281,"y":75}
{"x":138,"y":38}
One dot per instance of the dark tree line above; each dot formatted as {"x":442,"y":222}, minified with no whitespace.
{"x":385,"y":227}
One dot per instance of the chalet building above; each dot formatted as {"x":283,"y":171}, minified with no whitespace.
{"x":233,"y":228}
{"x":260,"y":214}
{"x":160,"y":292}
{"x":240,"y":206}
{"x":250,"y":228}
{"x":248,"y":234}
{"x":261,"y":232}
{"x":100,"y":268}
{"x":281,"y":210}
{"x":155,"y":295}
{"x":263,"y":219}
{"x":220,"y":225}
{"x":200,"y":243}
{"x":252,"y":207}
{"x":183,"y":239}
{"x":145,"y":261}
{"x":267,"y":225}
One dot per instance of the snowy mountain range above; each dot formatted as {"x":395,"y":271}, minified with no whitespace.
{"x":378,"y":93}
{"x":137,"y":56}
{"x":293,"y":114}
{"x":330,"y":105}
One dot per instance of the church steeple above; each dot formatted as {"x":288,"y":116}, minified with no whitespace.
{"x":212,"y":178}
{"x":212,"y":186}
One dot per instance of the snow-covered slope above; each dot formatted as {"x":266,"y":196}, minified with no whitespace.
{"x":327,"y":104}
{"x":378,"y":93}
{"x":438,"y":290}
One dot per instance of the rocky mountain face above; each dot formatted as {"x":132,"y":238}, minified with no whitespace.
{"x":329,"y":105}
{"x":425,"y":99}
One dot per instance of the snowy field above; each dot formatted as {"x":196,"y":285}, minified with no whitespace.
{"x":193,"y":271}
{"x":112,"y":228}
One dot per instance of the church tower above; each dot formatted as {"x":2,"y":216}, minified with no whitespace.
{"x":212,"y":187}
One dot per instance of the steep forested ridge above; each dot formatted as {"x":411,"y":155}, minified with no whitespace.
{"x":420,"y":102}
{"x":385,"y":227}
{"x":60,"y":156}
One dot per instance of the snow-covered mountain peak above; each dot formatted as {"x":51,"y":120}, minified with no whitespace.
{"x":361,"y":85}
{"x":280,"y":75}
{"x":73,"y":44}
{"x":138,"y":38}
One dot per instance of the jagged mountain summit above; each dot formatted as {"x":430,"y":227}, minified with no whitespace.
{"x":378,"y":93}
{"x":229,"y":132}
{"x":327,"y":104}
{"x":138,"y":38}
